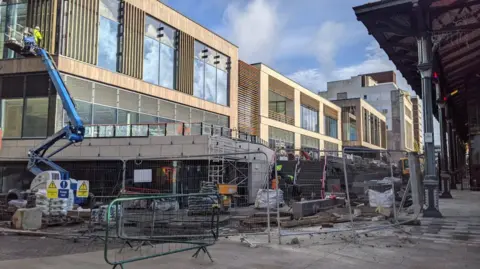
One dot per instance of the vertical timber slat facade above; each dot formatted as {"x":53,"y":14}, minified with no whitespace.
{"x":248,"y":99}
{"x":43,"y":13}
{"x":133,"y":35}
{"x":185,"y":64}
{"x":82,"y":30}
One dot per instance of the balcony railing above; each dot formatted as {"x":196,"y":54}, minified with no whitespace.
{"x":166,"y":129}
{"x":281,"y":117}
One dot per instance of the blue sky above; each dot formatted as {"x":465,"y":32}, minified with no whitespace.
{"x":310,"y":41}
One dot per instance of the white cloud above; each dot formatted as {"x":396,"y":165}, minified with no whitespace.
{"x":316,"y":79}
{"x":266,"y":33}
{"x":328,"y":41}
{"x":255,"y":28}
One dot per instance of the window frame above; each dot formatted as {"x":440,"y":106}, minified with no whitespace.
{"x":209,"y":56}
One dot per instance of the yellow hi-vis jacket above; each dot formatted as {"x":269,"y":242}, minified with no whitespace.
{"x":38,"y":36}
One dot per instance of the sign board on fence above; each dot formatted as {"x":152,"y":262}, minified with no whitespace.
{"x":142,"y":176}
{"x":52,"y":189}
{"x":64,"y":189}
{"x":83,"y":187}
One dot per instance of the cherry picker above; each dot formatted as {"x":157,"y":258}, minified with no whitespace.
{"x":73,"y":132}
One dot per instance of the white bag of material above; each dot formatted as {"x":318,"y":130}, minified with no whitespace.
{"x":165,"y":205}
{"x":19,"y":203}
{"x":380,"y":199}
{"x":261,"y":200}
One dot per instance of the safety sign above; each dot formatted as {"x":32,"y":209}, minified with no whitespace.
{"x":64,"y":189}
{"x":52,"y":189}
{"x":82,"y":189}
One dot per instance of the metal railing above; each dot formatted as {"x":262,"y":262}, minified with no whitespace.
{"x":16,"y":33}
{"x":167,"y":129}
{"x":281,"y":117}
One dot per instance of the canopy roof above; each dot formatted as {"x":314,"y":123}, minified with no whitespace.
{"x":454,"y":24}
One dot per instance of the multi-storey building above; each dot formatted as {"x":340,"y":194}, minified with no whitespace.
{"x":381,"y":91}
{"x":417,"y":123}
{"x":124,"y":62}
{"x":362,"y":125}
{"x":143,"y":77}
{"x":282,"y":112}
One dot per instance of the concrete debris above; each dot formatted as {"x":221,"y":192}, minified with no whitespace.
{"x":378,"y":218}
{"x":312,"y":207}
{"x":245,"y":241}
{"x":387,"y":212}
{"x":27,"y":219}
{"x":295,"y":241}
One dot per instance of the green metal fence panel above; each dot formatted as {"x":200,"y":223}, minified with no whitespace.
{"x":153,"y":225}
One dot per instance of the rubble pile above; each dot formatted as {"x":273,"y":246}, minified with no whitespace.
{"x":203,"y":204}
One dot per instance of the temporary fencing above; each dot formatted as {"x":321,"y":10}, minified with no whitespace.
{"x":341,"y":191}
{"x":157,"y":225}
{"x":238,"y":175}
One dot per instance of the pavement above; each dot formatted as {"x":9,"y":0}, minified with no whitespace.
{"x":417,"y":247}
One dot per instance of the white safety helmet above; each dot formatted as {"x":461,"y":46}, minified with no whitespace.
{"x":37,"y":28}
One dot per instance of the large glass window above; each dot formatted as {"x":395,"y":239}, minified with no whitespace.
{"x":331,"y":148}
{"x":108,"y":34}
{"x":277,"y":103}
{"x":84,"y":110}
{"x":14,"y":16}
{"x":104,"y":115}
{"x":279,"y":138}
{"x":310,"y":146}
{"x":350,"y":130}
{"x":12,"y":113}
{"x":331,"y":127}
{"x":159,"y":53}
{"x":36,"y":117}
{"x":309,"y":119}
{"x":210,"y":75}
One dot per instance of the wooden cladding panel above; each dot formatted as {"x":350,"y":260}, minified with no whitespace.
{"x":133,"y":36}
{"x":82,"y":30}
{"x":328,"y":111}
{"x":248,"y":99}
{"x":43,"y":13}
{"x":185,"y":63}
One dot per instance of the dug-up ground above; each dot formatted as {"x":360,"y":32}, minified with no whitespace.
{"x":450,"y":242}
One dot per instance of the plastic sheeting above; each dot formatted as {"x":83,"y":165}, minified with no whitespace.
{"x":263,"y":200}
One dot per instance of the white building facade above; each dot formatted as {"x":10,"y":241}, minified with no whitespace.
{"x":381,"y":91}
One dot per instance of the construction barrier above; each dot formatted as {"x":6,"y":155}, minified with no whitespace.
{"x":341,"y":191}
{"x":158,"y":225}
{"x":239,"y":178}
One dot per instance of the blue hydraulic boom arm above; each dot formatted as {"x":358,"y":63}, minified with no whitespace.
{"x":74,"y":131}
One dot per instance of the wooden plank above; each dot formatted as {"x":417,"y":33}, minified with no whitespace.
{"x":95,"y":31}
{"x":53,"y":25}
{"x":133,"y":25}
{"x":185,"y":69}
{"x":68,"y":37}
{"x":248,"y":99}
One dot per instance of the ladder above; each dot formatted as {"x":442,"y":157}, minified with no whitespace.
{"x":216,"y":161}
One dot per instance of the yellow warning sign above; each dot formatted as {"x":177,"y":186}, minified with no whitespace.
{"x":82,"y":189}
{"x":52,"y":190}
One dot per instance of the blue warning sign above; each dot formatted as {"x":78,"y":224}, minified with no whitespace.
{"x":63,"y":184}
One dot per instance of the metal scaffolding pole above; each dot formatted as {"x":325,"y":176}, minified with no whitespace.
{"x":425,"y":52}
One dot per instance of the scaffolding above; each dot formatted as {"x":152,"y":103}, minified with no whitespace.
{"x":228,"y":169}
